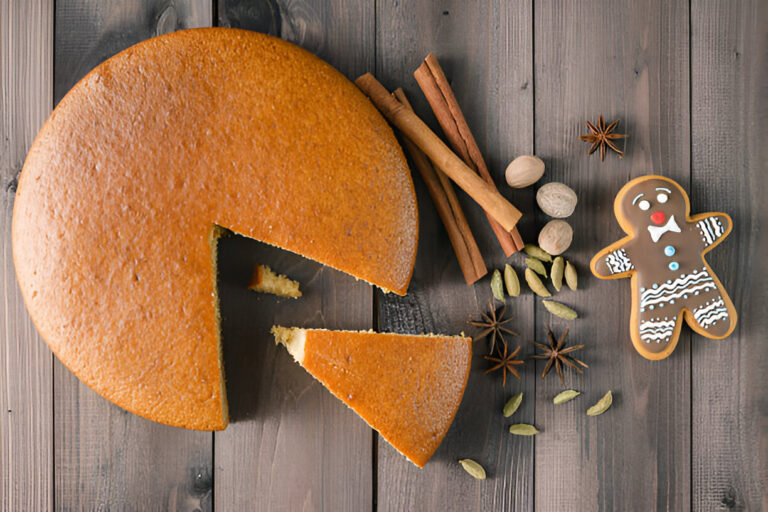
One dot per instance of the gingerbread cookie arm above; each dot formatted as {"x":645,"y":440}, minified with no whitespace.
{"x":712,"y":227}
{"x":613,"y":262}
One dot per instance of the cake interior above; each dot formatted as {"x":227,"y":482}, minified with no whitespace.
{"x":293,"y":339}
{"x":265,"y":280}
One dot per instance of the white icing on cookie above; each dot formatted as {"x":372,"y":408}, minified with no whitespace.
{"x":711,"y":229}
{"x":618,"y":262}
{"x":660,"y":295}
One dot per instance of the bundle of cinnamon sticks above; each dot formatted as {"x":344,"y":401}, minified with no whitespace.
{"x":464,"y":165}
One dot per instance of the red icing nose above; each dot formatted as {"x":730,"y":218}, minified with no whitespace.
{"x":658,"y":218}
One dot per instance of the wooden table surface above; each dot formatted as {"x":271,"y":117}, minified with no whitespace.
{"x":688,"y":81}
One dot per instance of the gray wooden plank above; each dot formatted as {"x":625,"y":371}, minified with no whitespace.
{"x":626,"y":60}
{"x":292,"y":445}
{"x":730,"y":129}
{"x":105,"y":457}
{"x":485,"y":50}
{"x":26,"y":398}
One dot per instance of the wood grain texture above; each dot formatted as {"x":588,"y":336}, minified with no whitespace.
{"x":105,"y":457}
{"x":485,"y":50}
{"x":689,"y":432}
{"x":90,"y":31}
{"x":730,"y":130}
{"x":26,"y":398}
{"x":291,"y":444}
{"x":625,"y":60}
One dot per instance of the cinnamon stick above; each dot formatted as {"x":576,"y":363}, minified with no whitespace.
{"x":441,"y":155}
{"x":448,"y":207}
{"x":435,"y":86}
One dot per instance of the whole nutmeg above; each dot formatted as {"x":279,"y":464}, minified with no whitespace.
{"x":557,"y":200}
{"x":524,"y":170}
{"x":555,"y":237}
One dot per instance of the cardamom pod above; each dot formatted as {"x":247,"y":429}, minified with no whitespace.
{"x":473,"y":468}
{"x":601,"y":406}
{"x":537,"y":266}
{"x":565,"y":396}
{"x":558,"y":268}
{"x":497,"y":287}
{"x":511,"y":281}
{"x":571,"y":278}
{"x":535,"y":284}
{"x":523,"y":429}
{"x":512,"y":404}
{"x":537,"y":252}
{"x":561,"y":310}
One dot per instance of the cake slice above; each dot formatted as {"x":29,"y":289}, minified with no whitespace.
{"x":406,"y":387}
{"x":265,"y":280}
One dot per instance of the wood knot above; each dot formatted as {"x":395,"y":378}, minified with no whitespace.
{"x":201,"y":480}
{"x":729,"y":498}
{"x":167,"y":21}
{"x":12,"y":185}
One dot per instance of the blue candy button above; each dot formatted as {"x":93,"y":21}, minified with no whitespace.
{"x":674,"y":265}
{"x":669,"y":251}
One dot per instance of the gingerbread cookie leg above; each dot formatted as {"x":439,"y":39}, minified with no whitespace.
{"x":714,"y":315}
{"x":656,"y":328}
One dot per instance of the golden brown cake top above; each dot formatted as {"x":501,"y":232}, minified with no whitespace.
{"x":115,"y":211}
{"x":406,"y":387}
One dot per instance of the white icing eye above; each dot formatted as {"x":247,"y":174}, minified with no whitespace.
{"x":644,"y":205}
{"x":662,"y":198}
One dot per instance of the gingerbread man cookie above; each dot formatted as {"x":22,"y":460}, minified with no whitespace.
{"x":663,"y":255}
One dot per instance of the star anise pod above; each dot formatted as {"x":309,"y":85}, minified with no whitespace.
{"x":559,"y":356}
{"x":493,"y":324}
{"x":602,"y":136}
{"x":505,"y":362}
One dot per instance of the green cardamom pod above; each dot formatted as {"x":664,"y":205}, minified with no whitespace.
{"x":523,"y":429}
{"x":565,"y":396}
{"x":473,"y":468}
{"x":512,"y":404}
{"x":497,"y":287}
{"x":511,"y":281}
{"x":571,"y":278}
{"x":558,"y":268}
{"x":537,"y":252}
{"x":560,"y":310}
{"x":601,"y":406}
{"x":537,"y":266}
{"x":535,"y":284}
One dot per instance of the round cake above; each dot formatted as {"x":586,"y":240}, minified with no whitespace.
{"x":128,"y":184}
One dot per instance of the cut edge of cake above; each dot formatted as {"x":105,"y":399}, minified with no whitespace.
{"x":294,"y":340}
{"x":401,"y":292}
{"x":215,"y":233}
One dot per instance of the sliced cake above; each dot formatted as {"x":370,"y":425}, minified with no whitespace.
{"x":406,"y":387}
{"x":116,"y":213}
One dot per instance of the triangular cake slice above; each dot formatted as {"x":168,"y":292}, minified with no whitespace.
{"x":406,"y":387}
